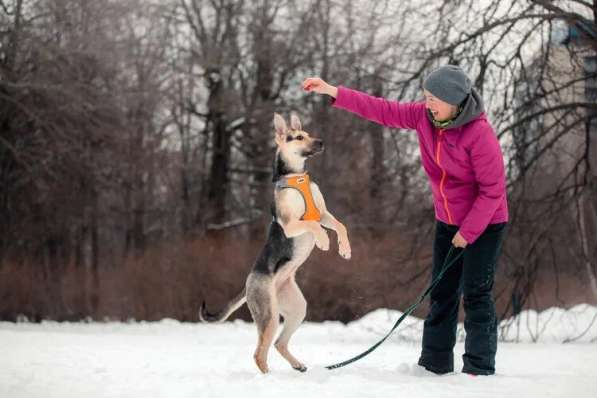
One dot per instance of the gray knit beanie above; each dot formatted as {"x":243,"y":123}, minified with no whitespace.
{"x":449,"y":83}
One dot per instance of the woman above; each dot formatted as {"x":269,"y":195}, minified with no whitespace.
{"x":463,"y":160}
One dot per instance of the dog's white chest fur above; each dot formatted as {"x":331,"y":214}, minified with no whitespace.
{"x":303,"y":245}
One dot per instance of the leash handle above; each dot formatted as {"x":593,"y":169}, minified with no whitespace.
{"x":406,"y":313}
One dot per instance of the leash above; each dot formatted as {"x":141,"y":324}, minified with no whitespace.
{"x":407,"y":313}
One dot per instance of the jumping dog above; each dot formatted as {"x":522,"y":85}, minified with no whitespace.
{"x":299,"y":215}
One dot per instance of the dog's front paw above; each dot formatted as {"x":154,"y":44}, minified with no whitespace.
{"x":344,"y":249}
{"x":322,"y":241}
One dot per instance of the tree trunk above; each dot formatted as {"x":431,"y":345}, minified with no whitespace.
{"x":218,"y":174}
{"x":218,"y":184}
{"x":377,"y":169}
{"x":583,"y":205}
{"x":95,"y":259}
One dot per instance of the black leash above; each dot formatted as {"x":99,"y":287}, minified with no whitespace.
{"x":407,"y":313}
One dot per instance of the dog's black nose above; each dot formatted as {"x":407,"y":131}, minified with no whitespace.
{"x":319,"y":144}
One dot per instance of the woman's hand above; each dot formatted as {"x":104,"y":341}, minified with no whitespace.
{"x":459,"y":241}
{"x":319,"y":86}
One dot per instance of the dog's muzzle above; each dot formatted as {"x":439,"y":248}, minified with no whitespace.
{"x":316,"y":148}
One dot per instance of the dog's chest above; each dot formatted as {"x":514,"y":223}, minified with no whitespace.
{"x":302,"y":246}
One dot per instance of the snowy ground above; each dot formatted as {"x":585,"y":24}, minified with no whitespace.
{"x":172,"y":359}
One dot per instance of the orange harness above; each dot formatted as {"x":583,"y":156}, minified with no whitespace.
{"x":303,"y":185}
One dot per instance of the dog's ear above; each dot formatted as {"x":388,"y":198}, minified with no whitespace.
{"x":295,"y":122}
{"x":281,"y":128}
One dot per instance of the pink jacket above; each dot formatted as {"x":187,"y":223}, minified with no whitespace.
{"x":464,"y":162}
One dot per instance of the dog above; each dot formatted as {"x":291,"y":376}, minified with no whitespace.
{"x":299,"y":217}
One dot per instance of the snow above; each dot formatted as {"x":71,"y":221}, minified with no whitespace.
{"x":173,"y":359}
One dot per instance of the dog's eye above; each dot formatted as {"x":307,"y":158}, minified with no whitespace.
{"x":299,"y":137}
{"x":289,"y":138}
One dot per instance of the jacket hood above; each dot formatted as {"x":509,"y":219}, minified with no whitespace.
{"x":472,"y":108}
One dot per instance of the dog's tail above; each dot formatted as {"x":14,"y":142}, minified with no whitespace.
{"x":221,"y":316}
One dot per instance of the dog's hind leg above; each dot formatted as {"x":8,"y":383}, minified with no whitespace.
{"x":293,"y":307}
{"x":262,"y":303}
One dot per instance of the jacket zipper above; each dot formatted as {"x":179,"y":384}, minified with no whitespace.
{"x":443,"y":179}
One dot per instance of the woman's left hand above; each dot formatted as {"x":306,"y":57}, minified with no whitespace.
{"x":459,"y":241}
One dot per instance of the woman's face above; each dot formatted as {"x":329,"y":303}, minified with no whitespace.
{"x":441,"y":110}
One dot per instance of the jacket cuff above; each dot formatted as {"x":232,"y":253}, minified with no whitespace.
{"x":337,"y":102}
{"x":469,"y":237}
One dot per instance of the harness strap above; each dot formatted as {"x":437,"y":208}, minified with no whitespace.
{"x":302,"y":183}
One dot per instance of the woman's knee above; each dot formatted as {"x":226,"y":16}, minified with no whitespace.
{"x":479,"y":306}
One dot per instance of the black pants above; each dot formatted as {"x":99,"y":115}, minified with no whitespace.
{"x":472,"y":276}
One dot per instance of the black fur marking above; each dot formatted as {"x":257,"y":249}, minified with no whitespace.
{"x":205,"y":315}
{"x":281,"y":168}
{"x":277,"y":251}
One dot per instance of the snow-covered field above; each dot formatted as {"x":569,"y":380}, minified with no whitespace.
{"x":172,"y":359}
